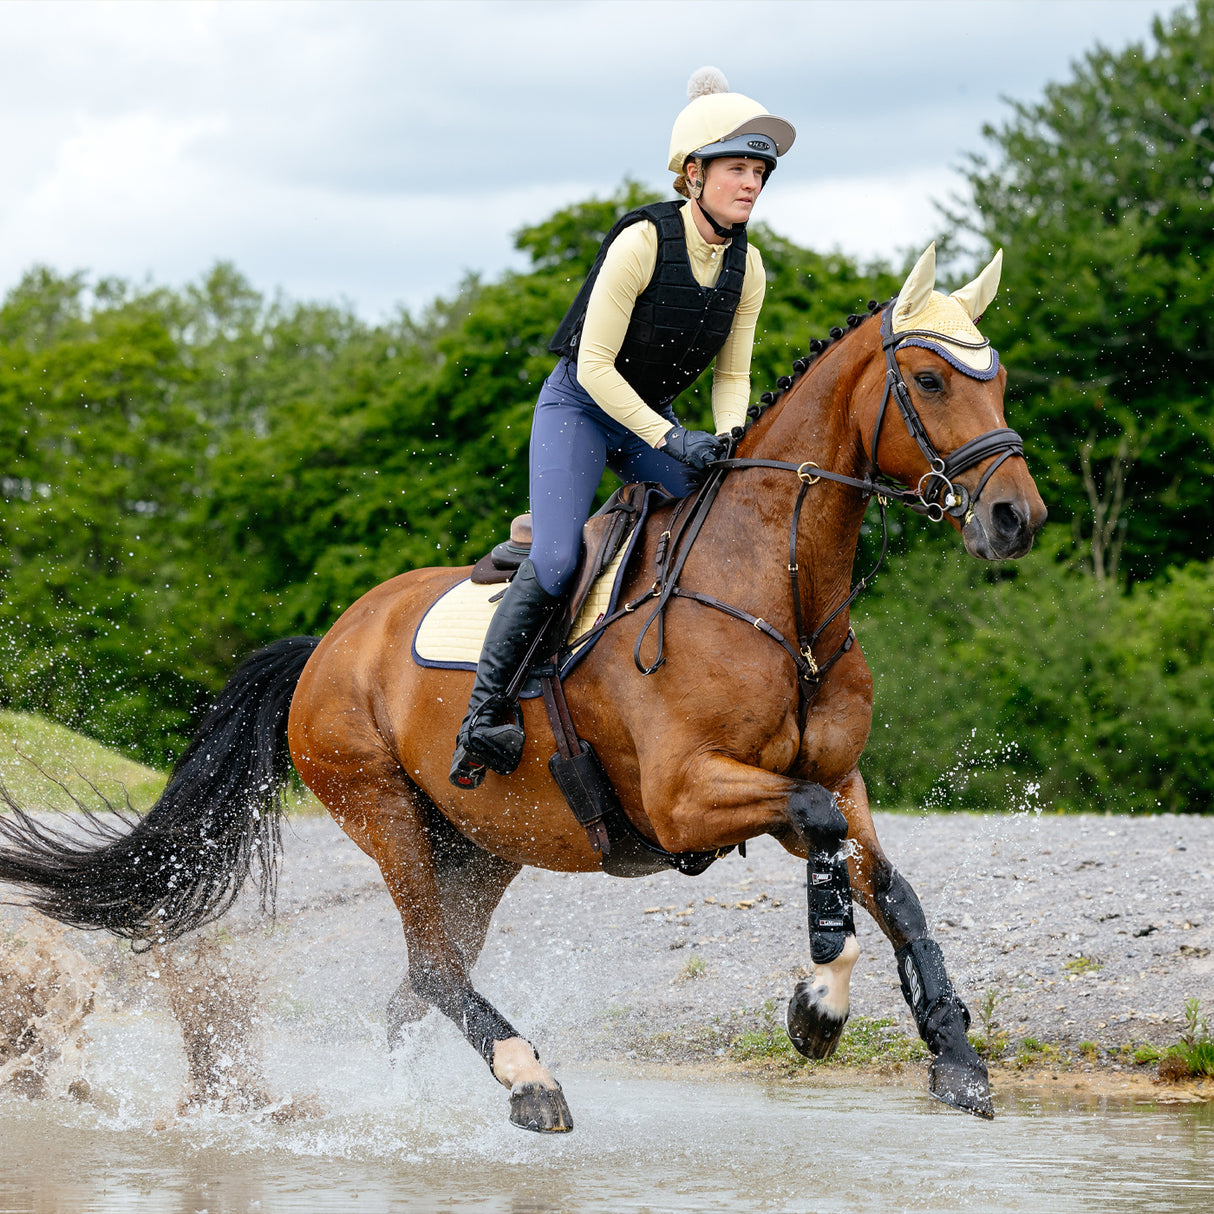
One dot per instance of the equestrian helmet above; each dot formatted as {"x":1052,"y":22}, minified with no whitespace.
{"x":719,"y":123}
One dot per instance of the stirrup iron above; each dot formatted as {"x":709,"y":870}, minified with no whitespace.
{"x":482,"y":747}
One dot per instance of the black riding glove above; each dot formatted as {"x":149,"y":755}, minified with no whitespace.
{"x":695,"y":448}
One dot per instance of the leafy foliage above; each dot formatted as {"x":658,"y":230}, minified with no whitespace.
{"x":1101,"y":193}
{"x":1033,"y":686}
{"x":193,"y":473}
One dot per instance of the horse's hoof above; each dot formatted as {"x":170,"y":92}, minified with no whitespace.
{"x":812,"y":1027}
{"x":961,"y":1086}
{"x":535,"y":1107}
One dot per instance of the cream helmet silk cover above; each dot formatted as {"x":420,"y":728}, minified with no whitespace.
{"x":944,"y":324}
{"x":717,"y":116}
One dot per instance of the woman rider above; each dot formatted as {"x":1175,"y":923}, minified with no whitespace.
{"x":674,"y":285}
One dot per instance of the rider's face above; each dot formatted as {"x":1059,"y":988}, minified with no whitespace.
{"x":731,"y":186}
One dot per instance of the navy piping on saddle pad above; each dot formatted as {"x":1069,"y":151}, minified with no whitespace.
{"x":531,"y":689}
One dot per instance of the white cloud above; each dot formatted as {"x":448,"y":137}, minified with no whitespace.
{"x":880,"y":216}
{"x":377,"y":151}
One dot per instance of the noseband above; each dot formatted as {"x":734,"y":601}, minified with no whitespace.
{"x":936,"y":493}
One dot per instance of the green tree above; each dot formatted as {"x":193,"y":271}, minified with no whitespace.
{"x":1032,"y":686}
{"x":197,"y":472}
{"x":96,"y":519}
{"x":1100,"y":195}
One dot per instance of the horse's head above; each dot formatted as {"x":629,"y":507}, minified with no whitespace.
{"x":948,"y":437}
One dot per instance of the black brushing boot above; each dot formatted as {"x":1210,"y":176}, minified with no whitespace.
{"x":491,"y":735}
{"x":956,"y":1076}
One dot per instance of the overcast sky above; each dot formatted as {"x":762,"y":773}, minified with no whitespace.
{"x":374,"y":152}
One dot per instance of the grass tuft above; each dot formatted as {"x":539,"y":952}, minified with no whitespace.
{"x":1083,"y":965}
{"x":867,"y":1041}
{"x":695,"y":968}
{"x":991,"y":1039}
{"x":1193,"y":1055}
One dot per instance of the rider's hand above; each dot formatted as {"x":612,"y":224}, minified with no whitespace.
{"x":695,"y":448}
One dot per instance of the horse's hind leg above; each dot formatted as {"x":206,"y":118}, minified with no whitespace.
{"x":957,"y":1075}
{"x":471,"y":882}
{"x":389,"y":818}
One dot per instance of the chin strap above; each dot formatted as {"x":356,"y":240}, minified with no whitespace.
{"x":723,"y":232}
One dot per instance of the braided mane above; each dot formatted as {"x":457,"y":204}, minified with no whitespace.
{"x":817,"y":347}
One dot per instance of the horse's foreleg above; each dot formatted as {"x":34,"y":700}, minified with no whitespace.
{"x":957,"y":1075}
{"x":819,"y":1007}
{"x":724,"y":800}
{"x":395,"y":834}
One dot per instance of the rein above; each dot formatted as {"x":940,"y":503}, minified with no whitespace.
{"x":934,"y":496}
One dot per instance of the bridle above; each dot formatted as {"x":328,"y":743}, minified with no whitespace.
{"x":936,"y":492}
{"x":934,"y":496}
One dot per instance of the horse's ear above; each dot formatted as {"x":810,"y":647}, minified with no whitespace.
{"x":917,"y":289}
{"x":975,"y":296}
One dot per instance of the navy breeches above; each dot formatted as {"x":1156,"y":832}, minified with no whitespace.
{"x":572,"y":441}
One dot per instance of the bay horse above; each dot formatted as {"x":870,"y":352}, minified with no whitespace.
{"x":736,"y":732}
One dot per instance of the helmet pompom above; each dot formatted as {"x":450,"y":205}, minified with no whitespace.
{"x":705,"y":81}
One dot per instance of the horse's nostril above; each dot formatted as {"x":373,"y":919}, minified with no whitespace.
{"x":1008,"y":518}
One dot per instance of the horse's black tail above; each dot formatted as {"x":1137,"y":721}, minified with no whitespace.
{"x":182,"y":865}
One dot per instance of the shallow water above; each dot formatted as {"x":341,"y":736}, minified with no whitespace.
{"x":431,"y":1134}
{"x":428,"y":1130}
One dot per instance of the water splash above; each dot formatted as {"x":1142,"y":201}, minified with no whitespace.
{"x":216,"y":1004}
{"x":970,"y":778}
{"x":47,"y":993}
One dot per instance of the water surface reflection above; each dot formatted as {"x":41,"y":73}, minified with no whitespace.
{"x":641,"y":1144}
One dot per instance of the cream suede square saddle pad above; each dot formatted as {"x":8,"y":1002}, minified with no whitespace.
{"x":453,"y":630}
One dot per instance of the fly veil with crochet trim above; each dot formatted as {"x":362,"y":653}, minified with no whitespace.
{"x":944,"y":324}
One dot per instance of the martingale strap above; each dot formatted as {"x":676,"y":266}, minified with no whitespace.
{"x":672,"y":555}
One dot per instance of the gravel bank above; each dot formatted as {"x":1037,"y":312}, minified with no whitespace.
{"x":1081,"y":928}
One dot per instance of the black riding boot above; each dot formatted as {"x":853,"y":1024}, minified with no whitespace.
{"x":492,"y":733}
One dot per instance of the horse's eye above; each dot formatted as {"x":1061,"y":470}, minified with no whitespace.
{"x":929,"y":382}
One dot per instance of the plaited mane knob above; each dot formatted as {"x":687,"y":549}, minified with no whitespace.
{"x":801,"y":366}
{"x":784,"y":383}
{"x":836,"y":333}
{"x":873,"y":305}
{"x":815,"y":345}
{"x":768,"y":398}
{"x":753,"y":411}
{"x":853,"y":320}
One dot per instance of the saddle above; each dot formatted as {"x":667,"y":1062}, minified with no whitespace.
{"x":602,"y":535}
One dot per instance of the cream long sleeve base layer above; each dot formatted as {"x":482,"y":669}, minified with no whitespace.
{"x":625,"y":273}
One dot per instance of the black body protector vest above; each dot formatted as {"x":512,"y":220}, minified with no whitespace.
{"x":677,"y":326}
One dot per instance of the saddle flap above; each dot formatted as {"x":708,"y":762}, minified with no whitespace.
{"x":451,"y":633}
{"x":602,"y":536}
{"x":604,"y":532}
